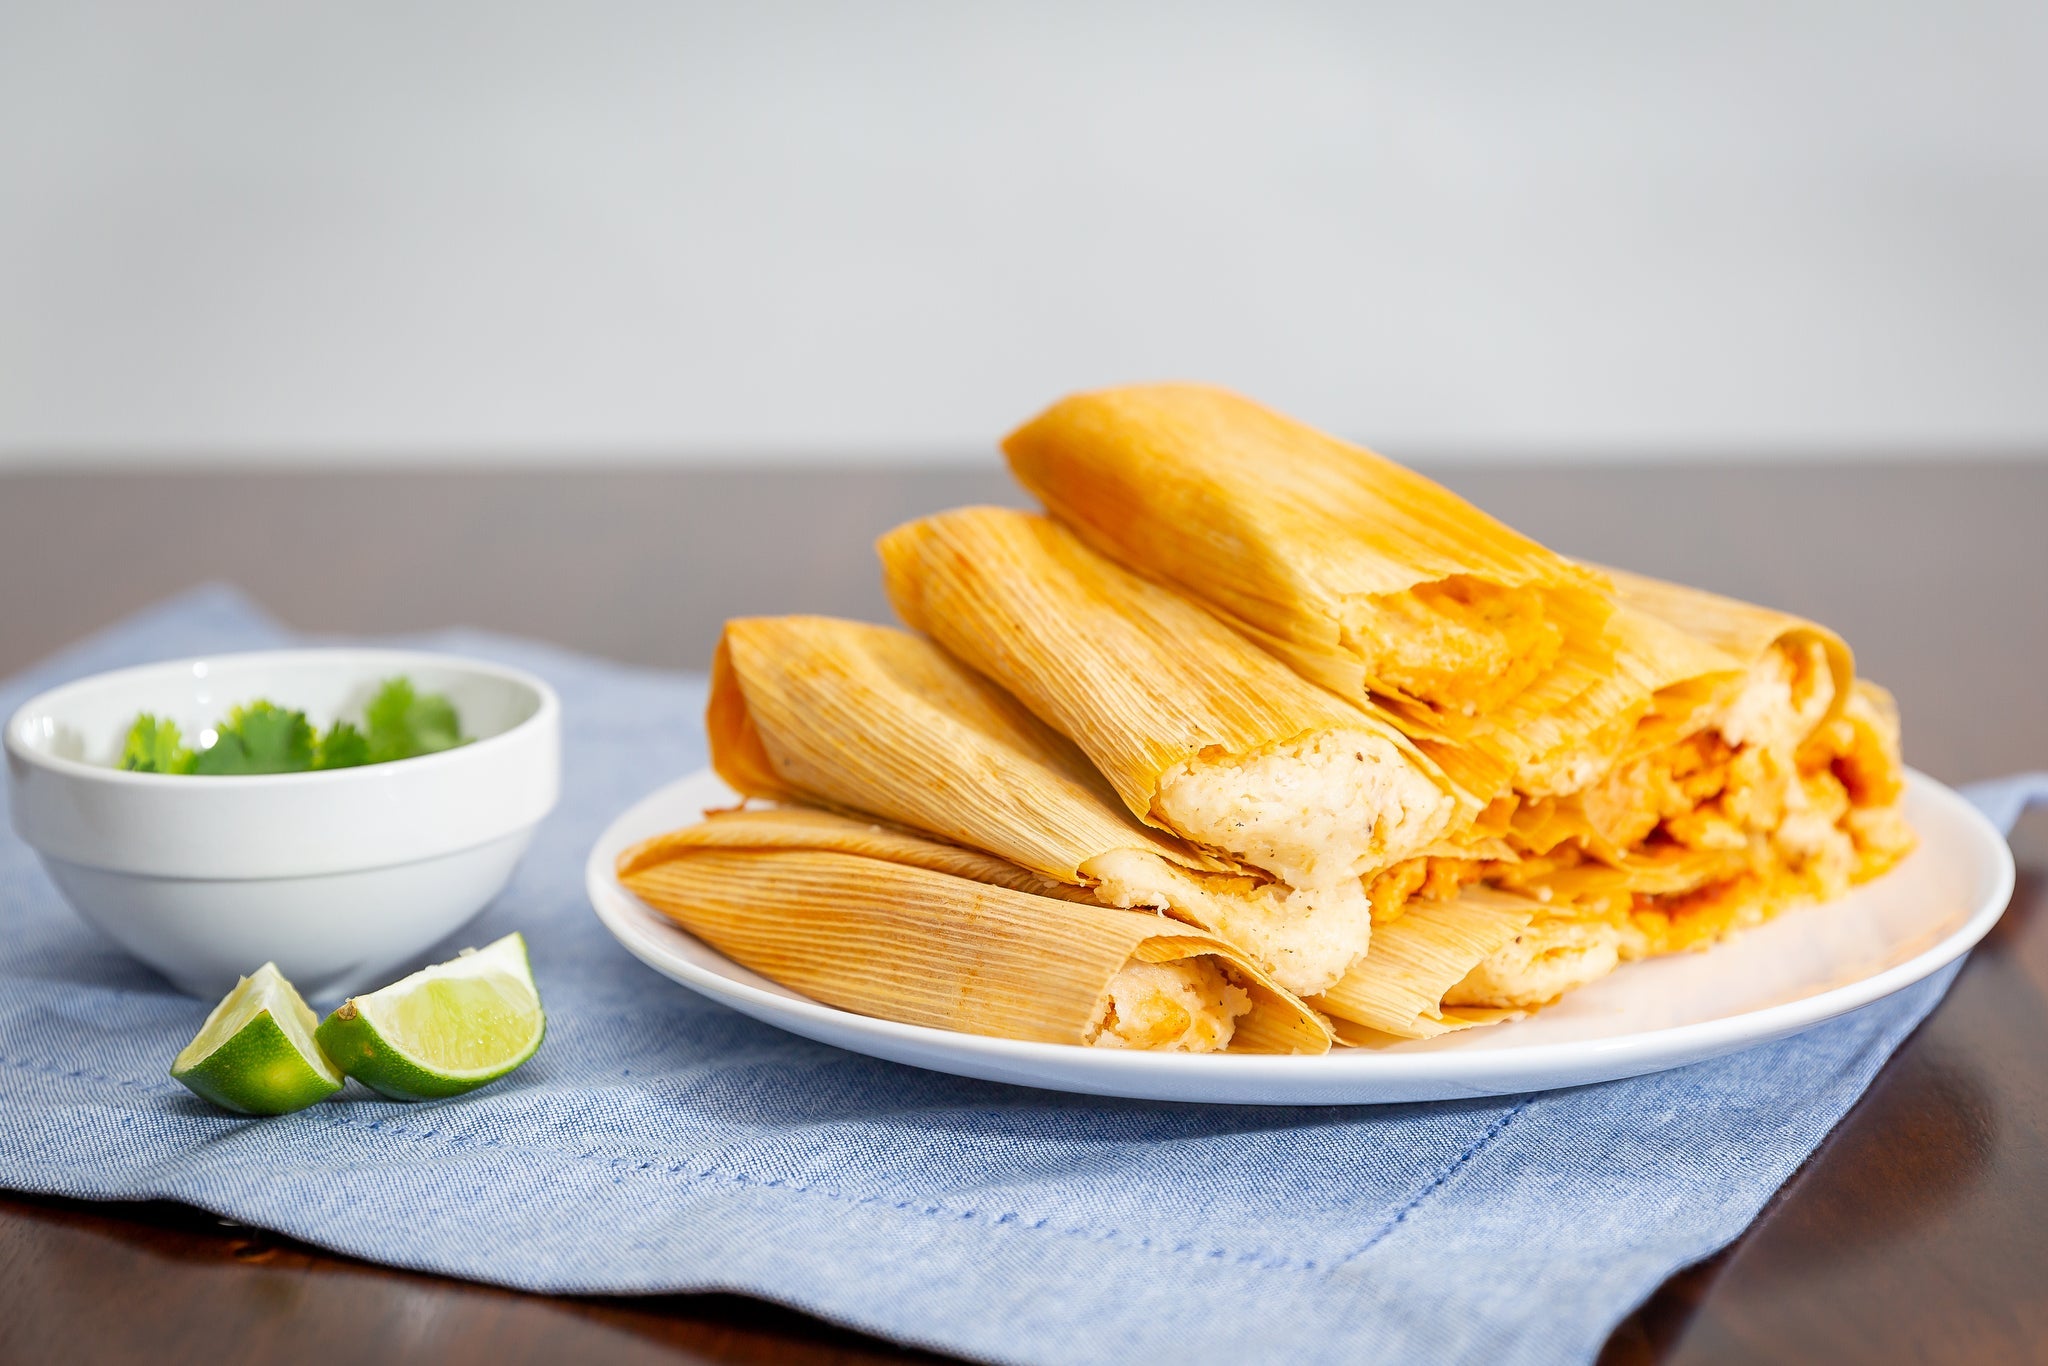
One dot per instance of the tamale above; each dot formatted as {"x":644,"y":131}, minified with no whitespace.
{"x":878,"y":721}
{"x":884,"y":924}
{"x":1779,"y":786}
{"x":1506,"y":663}
{"x":1731,"y":770}
{"x":873,"y":721}
{"x":1198,"y":730}
{"x":1398,"y":989}
{"x":1553,"y":955}
{"x":1366,"y":576}
{"x":1676,"y":722}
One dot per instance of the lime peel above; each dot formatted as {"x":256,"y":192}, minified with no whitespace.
{"x":445,"y":1029}
{"x":257,"y":1053}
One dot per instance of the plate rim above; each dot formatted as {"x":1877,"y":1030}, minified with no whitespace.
{"x":1117,"y":1072}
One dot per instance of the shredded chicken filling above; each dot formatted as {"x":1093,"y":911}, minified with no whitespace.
{"x":1427,"y":879}
{"x":1794,"y":814}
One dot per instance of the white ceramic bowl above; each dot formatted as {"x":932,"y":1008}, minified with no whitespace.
{"x":338,"y":876}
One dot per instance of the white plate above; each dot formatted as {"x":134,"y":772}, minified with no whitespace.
{"x":1807,"y":966}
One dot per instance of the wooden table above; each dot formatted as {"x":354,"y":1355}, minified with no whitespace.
{"x":1919,"y":1230}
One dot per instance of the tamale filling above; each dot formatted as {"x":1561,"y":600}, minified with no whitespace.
{"x":1554,"y":955}
{"x":1329,"y":805}
{"x":1460,"y":644}
{"x":1189,"y":1006}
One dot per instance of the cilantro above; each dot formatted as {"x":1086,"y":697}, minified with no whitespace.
{"x":260,"y":738}
{"x":155,"y":746}
{"x":263,"y":737}
{"x":404,"y":725}
{"x":343,"y":746}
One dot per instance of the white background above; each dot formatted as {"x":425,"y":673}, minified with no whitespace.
{"x":803,"y":231}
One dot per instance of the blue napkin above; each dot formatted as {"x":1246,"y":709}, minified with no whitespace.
{"x":659,"y":1142}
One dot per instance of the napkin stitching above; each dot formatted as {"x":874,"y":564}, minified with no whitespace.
{"x":930,"y":1209}
{"x":1258,"y":1259}
{"x":58,"y":1070}
{"x":1436,"y":1183}
{"x":1263,"y":1261}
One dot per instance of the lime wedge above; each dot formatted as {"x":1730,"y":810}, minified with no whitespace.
{"x":256,"y":1052}
{"x":444,"y":1030}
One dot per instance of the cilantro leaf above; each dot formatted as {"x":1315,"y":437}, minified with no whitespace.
{"x":343,"y":746}
{"x":262,"y":737}
{"x":403,"y":724}
{"x":155,"y":746}
{"x":259,"y":738}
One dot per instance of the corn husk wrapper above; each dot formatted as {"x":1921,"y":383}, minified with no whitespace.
{"x":797,"y":827}
{"x":1330,"y":555}
{"x":874,"y":721}
{"x":1142,"y":680}
{"x":1743,"y":630}
{"x":1397,"y":990}
{"x":862,"y":920}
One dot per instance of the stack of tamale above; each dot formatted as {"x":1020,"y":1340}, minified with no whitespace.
{"x":1259,"y":741}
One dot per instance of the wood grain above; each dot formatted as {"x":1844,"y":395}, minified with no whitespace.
{"x":1918,"y":1231}
{"x":161,"y":1282}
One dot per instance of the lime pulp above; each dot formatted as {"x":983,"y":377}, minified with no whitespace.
{"x":444,"y":1030}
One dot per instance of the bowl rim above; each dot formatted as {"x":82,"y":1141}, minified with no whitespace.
{"x":545,"y":714}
